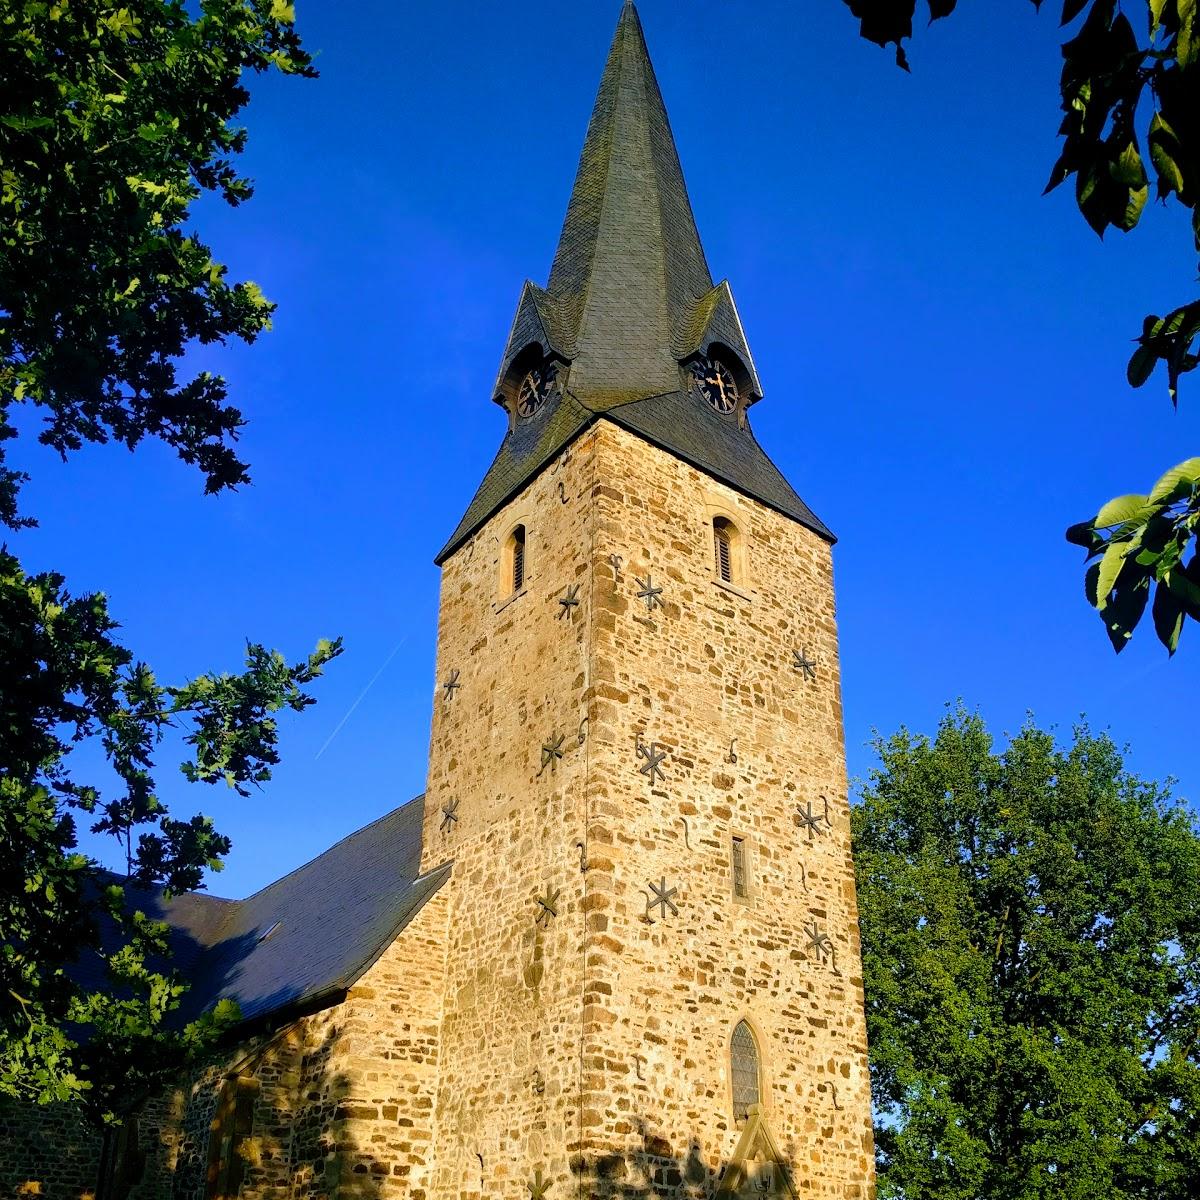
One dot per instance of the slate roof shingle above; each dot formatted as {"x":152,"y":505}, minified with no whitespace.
{"x":331,"y":919}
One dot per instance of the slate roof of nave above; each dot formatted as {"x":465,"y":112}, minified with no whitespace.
{"x":304,"y":938}
{"x":629,"y":299}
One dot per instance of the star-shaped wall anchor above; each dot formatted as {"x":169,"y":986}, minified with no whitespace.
{"x":819,"y":942}
{"x":649,"y":593}
{"x":546,"y":906}
{"x":538,"y":1187}
{"x":807,"y":819}
{"x":663,"y":898}
{"x":807,"y":666}
{"x":654,"y":754}
{"x":449,"y":814}
{"x":569,"y":601}
{"x":451,"y":685}
{"x":552,"y":752}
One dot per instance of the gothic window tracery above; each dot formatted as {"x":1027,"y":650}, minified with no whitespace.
{"x":745,"y":1071}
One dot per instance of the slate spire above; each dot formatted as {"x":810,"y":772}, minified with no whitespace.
{"x":629,"y":268}
{"x":629,"y":310}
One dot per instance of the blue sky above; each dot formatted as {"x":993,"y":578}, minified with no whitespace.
{"x":941,"y":347}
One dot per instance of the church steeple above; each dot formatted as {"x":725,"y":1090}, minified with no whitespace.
{"x":630,"y":320}
{"x":629,"y":267}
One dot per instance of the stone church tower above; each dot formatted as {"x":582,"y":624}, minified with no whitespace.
{"x":636,"y":760}
{"x":613,"y":950}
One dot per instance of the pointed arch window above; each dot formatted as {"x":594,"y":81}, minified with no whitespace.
{"x":122,"y":1159}
{"x":745,"y":1071}
{"x":231,"y":1126}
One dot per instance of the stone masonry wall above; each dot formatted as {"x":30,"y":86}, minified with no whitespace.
{"x":508,"y":1094}
{"x":344,"y":1107}
{"x":712,"y":679}
{"x":591,"y":1045}
{"x":378,"y":1085}
{"x":46,"y":1152}
{"x":346,"y":1095}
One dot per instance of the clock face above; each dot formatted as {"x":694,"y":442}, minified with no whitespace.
{"x":715,"y":382}
{"x":536,"y":388}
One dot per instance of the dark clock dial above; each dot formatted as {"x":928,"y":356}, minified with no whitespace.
{"x":714,"y":381}
{"x":536,"y":388}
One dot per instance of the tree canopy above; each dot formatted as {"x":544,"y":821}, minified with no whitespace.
{"x":114,"y":119}
{"x":1031,"y":944}
{"x":1130,"y":97}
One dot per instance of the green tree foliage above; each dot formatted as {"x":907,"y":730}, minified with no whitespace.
{"x":1139,"y":544}
{"x":1031,"y":945}
{"x":67,"y":681}
{"x":1131,"y":105}
{"x":114,"y":118}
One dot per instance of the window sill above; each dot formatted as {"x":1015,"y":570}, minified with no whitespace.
{"x":501,"y":605}
{"x":729,"y":587}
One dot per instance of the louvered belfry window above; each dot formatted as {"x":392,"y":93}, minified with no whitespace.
{"x":723,"y":549}
{"x":747,"y":1087}
{"x":518,"y":558}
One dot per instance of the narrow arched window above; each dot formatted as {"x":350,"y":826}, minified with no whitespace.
{"x":723,"y":536}
{"x":741,"y":884}
{"x":232,"y":1124}
{"x":122,"y":1159}
{"x":518,"y":558}
{"x":744,"y":1071}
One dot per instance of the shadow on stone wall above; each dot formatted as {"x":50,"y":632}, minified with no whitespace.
{"x":656,"y":1170}
{"x":59,"y":1151}
{"x":46,"y":1151}
{"x":649,"y":1171}
{"x":341,"y":1154}
{"x":318,"y":1130}
{"x":344,"y":1149}
{"x":318,"y":1134}
{"x":330,"y":1158}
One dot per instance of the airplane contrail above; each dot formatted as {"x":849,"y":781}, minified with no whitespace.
{"x":358,"y":701}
